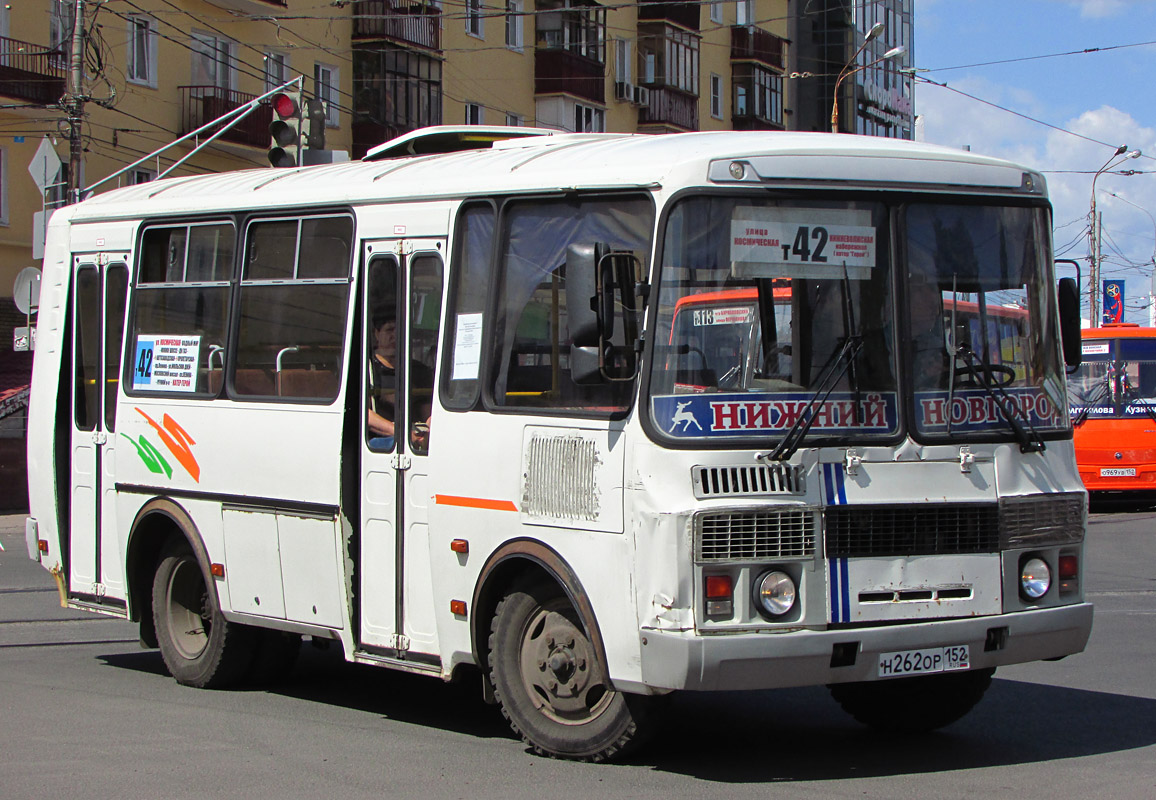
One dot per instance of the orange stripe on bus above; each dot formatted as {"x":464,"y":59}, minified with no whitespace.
{"x":474,"y":502}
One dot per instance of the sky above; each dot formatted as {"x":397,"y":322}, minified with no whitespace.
{"x":1107,"y":96}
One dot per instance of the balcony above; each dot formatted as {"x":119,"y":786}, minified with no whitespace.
{"x":414,"y":24}
{"x":681,"y":12}
{"x":670,"y":107}
{"x":202,"y":104}
{"x":557,"y":71}
{"x":749,"y":43}
{"x":31,"y":72}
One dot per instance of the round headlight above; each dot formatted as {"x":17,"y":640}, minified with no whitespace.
{"x":775,"y":593}
{"x":1035,"y":578}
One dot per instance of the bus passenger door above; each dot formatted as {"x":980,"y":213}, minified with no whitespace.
{"x":402,"y":315}
{"x":101,"y":285}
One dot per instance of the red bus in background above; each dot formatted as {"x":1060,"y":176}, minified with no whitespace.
{"x":1112,"y":397}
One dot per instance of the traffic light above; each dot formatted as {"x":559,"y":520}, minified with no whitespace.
{"x":316,"y":116}
{"x":285,"y":129}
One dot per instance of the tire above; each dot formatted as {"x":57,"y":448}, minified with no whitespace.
{"x":913,"y":705}
{"x":552,"y":688}
{"x":199,"y":647}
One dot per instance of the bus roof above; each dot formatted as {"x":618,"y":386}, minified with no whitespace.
{"x":1119,"y":330}
{"x":577,"y":161}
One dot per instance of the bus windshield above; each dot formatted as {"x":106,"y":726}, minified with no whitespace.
{"x":772,"y":315}
{"x":1117,"y":380}
{"x":777,"y":315}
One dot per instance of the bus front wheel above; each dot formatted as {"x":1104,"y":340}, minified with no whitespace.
{"x":198,"y":646}
{"x":913,"y":705}
{"x":552,"y":688}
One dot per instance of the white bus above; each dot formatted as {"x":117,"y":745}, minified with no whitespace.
{"x":435,"y":408}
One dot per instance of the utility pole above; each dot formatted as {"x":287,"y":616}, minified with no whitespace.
{"x":75,"y":104}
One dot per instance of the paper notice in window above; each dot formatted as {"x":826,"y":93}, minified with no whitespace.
{"x":166,"y":363}
{"x":467,"y":347}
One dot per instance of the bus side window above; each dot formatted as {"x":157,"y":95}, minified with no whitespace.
{"x":182,"y":290}
{"x":470,"y":281}
{"x":531,"y":335}
{"x":293,"y":301}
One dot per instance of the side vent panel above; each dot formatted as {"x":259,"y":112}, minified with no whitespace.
{"x":570,"y":478}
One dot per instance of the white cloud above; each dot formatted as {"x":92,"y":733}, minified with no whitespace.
{"x":1099,"y":8}
{"x":1069,"y":163}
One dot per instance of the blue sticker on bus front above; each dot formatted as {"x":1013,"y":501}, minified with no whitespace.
{"x":694,"y":415}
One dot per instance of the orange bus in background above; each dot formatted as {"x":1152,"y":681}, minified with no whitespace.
{"x":1112,"y":397}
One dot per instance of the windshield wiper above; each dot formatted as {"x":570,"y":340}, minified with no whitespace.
{"x":1096,"y":398}
{"x":833,"y":372}
{"x":1029,"y":442}
{"x":1132,"y":392}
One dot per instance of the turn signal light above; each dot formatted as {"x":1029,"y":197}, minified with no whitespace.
{"x":458,"y":607}
{"x":42,"y":545}
{"x":719,"y":596}
{"x":460,"y":546}
{"x":217,"y":570}
{"x":1069,"y":567}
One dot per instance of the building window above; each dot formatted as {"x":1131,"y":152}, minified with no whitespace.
{"x":744,"y":12}
{"x":758,"y":93}
{"x":716,"y":109}
{"x":514,"y":24}
{"x":474,"y":18}
{"x":212,"y":61}
{"x":474,"y":114}
{"x":276,"y":70}
{"x":624,"y":61}
{"x":669,"y":57}
{"x":515,"y":120}
{"x":395,"y":91}
{"x":141,"y":66}
{"x":588,"y":119}
{"x":716,"y":9}
{"x":579,"y":30}
{"x":325,"y":82}
{"x":138,"y":175}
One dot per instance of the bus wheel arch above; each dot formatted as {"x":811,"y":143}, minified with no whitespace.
{"x":537,"y":642}
{"x":524,"y":560}
{"x":158,"y":522}
{"x":178,"y":601}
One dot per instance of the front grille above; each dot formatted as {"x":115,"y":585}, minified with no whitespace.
{"x":747,"y":480}
{"x":1042,"y":520}
{"x":946,"y":529}
{"x":755,"y":535}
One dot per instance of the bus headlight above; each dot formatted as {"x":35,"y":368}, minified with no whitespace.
{"x":1035,"y":578}
{"x":775,"y":594}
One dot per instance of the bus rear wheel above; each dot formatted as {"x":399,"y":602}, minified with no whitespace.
{"x":913,"y":705}
{"x":552,"y":688}
{"x":199,"y":647}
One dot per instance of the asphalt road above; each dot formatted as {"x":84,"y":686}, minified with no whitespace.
{"x":85,"y":712}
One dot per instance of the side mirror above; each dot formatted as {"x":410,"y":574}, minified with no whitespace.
{"x":596,"y":279}
{"x":1069,"y":300}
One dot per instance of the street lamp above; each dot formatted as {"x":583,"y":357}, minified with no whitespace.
{"x":1122,"y":153}
{"x":847,"y":71}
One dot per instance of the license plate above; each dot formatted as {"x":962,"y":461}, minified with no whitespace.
{"x":925,"y":661}
{"x":1118,"y":472}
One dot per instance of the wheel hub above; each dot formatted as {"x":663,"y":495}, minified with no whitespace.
{"x":560,"y":672}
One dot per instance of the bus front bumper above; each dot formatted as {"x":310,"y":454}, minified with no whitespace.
{"x":720,"y":662}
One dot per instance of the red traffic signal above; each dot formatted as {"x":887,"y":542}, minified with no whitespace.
{"x":285,"y":129}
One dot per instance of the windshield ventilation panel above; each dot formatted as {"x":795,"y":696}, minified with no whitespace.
{"x":748,"y":481}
